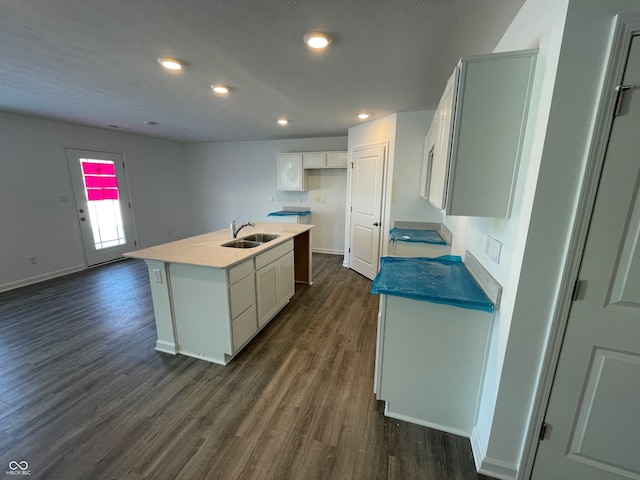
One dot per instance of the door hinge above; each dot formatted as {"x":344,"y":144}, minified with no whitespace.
{"x":543,"y":431}
{"x":351,"y":209}
{"x":129,"y":204}
{"x":135,"y":243}
{"x":579,"y":290}
{"x":352,"y":165}
{"x":123,"y":165}
{"x":349,"y":249}
{"x":620,"y":89}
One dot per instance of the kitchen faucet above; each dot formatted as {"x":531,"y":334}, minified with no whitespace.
{"x":234,"y":230}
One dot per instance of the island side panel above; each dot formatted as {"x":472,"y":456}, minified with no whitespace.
{"x":201,"y":311}
{"x":302,"y":257}
{"x":159,"y":282}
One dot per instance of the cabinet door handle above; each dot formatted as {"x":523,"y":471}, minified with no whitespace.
{"x":375,"y":224}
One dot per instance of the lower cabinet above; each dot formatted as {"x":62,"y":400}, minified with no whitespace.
{"x":242,"y":301}
{"x":429,"y":362}
{"x":274,"y":286}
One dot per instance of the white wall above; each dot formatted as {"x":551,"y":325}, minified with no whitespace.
{"x":403,"y":133}
{"x":33,"y":172}
{"x":406,"y":202}
{"x":562,"y":158}
{"x":538,"y":25}
{"x":231,"y":179}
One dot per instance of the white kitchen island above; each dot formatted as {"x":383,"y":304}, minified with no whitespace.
{"x":210,"y":300}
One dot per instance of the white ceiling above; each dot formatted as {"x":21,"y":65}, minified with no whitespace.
{"x":93,"y":62}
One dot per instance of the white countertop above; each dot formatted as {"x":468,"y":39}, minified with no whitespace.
{"x":206,"y":249}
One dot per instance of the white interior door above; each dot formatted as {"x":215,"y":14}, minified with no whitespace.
{"x":366,"y":210}
{"x":102,"y":204}
{"x":593,"y":415}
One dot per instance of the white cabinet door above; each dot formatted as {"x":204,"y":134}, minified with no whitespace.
{"x":314,"y":160}
{"x":275,"y":285}
{"x":267,"y":292}
{"x":439,"y":179}
{"x":286,"y":283}
{"x":337,"y":159}
{"x":291,"y":175}
{"x":427,"y":159}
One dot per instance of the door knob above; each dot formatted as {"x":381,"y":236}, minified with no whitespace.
{"x":82,"y":218}
{"x":375,"y":224}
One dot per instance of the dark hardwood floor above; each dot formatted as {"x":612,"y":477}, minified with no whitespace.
{"x":85,"y":396}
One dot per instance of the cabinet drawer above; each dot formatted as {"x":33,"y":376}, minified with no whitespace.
{"x":243,"y":327}
{"x":273,"y":254}
{"x":242,"y":295}
{"x":238,"y":272}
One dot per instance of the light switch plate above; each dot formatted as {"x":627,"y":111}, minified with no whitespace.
{"x":496,"y":250}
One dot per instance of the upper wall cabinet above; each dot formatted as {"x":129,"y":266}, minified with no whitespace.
{"x":291,"y":175}
{"x":311,"y":160}
{"x":471,"y":166}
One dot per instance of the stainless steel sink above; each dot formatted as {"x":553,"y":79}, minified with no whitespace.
{"x":260,"y":237}
{"x":251,"y":241}
{"x":242,"y":243}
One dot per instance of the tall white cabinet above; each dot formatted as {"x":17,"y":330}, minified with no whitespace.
{"x":471,"y":161}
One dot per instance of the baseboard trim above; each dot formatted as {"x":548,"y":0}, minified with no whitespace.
{"x":327,"y":250}
{"x":498,"y":469}
{"x":417,"y":421}
{"x":41,"y":278}
{"x":166,"y":347}
{"x":477,"y":448}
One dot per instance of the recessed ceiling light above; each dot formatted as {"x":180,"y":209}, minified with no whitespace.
{"x":149,"y":122}
{"x":283,"y":121}
{"x":317,"y":39}
{"x":220,"y":89}
{"x":170,"y":63}
{"x":363,"y":116}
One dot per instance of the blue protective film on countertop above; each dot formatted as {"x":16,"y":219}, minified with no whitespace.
{"x":286,"y":213}
{"x":411,"y":235}
{"x":442,"y":279}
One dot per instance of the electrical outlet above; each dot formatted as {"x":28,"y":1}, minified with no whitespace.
{"x":487,"y":245}
{"x":33,"y":259}
{"x":157,"y":275}
{"x":496,"y":250}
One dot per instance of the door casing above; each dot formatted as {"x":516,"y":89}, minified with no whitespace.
{"x":74,"y":152}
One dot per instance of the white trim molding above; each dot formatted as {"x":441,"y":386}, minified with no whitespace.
{"x":41,"y":278}
{"x":490,"y":466}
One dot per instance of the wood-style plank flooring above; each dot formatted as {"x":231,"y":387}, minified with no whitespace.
{"x":83,"y":394}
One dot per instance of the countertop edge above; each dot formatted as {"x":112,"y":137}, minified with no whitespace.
{"x":206,"y":250}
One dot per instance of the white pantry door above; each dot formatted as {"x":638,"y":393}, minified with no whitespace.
{"x":102,"y":204}
{"x":366,"y":210}
{"x":593,"y":415}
